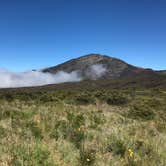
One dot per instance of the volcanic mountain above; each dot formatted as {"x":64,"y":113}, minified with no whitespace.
{"x":95,"y":71}
{"x":96,"y":66}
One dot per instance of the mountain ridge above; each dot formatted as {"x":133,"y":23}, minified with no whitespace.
{"x":114,"y":67}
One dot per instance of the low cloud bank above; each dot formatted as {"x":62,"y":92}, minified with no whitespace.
{"x":10,"y":79}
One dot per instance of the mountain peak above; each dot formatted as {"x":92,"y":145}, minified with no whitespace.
{"x":95,"y":56}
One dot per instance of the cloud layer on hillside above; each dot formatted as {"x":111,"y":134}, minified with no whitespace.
{"x":34,"y":78}
{"x":9,"y":79}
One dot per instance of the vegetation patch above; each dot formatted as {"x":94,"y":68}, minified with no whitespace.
{"x":141,"y":111}
{"x":87,"y":128}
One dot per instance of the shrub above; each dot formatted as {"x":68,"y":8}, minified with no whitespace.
{"x":141,"y":111}
{"x":18,"y":118}
{"x":8,"y":97}
{"x":71,"y":129}
{"x":146,"y":149}
{"x":22,"y":155}
{"x":160,"y":126}
{"x":87,"y":157}
{"x":41,"y":156}
{"x":77,"y":137}
{"x":84,"y":99}
{"x":116,"y":99}
{"x":24,"y":96}
{"x":100,"y":95}
{"x":153,"y":103}
{"x":76,"y":123}
{"x":96,"y":120}
{"x":48,"y":98}
{"x":2,"y":132}
{"x":60,"y":130}
{"x":36,"y":131}
{"x":11,"y":113}
{"x":116,"y":146}
{"x":5,"y":113}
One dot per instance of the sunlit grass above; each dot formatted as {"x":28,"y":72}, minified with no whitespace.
{"x":68,"y":133}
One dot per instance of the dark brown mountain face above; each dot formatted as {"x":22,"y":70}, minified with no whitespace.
{"x":96,"y":66}
{"x":161,"y":72}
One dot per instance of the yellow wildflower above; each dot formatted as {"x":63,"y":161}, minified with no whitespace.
{"x":81,"y":128}
{"x":131,"y":153}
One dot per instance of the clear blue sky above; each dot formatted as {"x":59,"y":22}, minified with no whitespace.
{"x":40,"y":33}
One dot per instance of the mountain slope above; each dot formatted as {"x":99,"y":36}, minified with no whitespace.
{"x":95,"y":66}
{"x":161,"y":72}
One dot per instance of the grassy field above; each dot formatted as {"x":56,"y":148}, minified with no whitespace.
{"x":82,"y":128}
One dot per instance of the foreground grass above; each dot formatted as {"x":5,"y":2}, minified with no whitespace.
{"x":72,"y":129}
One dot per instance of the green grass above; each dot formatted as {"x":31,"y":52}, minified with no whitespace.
{"x":83,"y":128}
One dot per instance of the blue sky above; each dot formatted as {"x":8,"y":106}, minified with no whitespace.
{"x":41,"y":33}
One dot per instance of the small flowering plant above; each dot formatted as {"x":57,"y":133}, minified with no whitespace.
{"x":131,"y":157}
{"x":131,"y":153}
{"x":81,"y":128}
{"x":87,"y":157}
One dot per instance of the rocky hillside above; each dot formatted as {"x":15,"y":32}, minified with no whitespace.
{"x":95,"y":66}
{"x":161,"y":72}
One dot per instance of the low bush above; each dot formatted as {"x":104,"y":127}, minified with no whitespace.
{"x":22,"y":155}
{"x":96,"y":120}
{"x":71,"y":129}
{"x":35,"y":129}
{"x":116,"y":146}
{"x":87,"y":157}
{"x":117,"y":99}
{"x":160,"y":126}
{"x":2,"y":132}
{"x":141,"y":111}
{"x":84,"y":99}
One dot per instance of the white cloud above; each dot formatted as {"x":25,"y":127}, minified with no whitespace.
{"x":10,"y":79}
{"x":96,"y":71}
{"x":34,"y":78}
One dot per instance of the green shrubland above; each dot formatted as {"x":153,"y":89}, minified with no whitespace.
{"x":83,"y":128}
